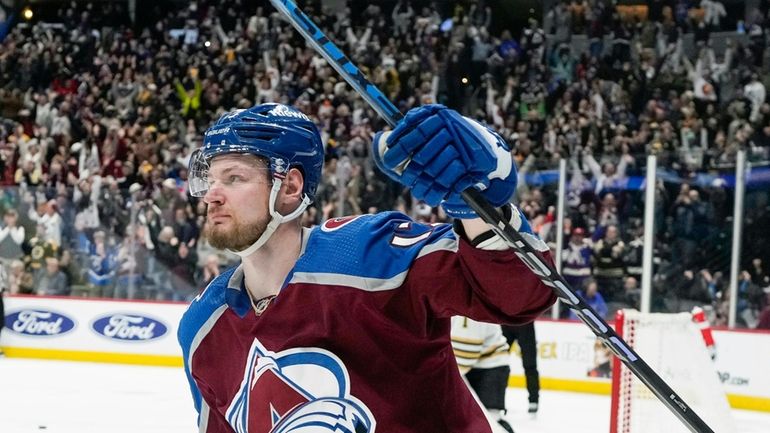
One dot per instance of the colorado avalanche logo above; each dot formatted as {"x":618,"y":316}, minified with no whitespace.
{"x":303,"y":390}
{"x":333,"y":224}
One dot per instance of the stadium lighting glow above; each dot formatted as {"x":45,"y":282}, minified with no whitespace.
{"x":27,"y":13}
{"x":464,"y":80}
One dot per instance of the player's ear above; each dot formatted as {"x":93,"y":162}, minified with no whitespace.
{"x":292,"y":187}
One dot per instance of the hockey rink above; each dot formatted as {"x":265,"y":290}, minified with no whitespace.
{"x":78,"y":397}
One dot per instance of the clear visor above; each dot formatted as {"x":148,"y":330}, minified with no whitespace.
{"x":200,"y":182}
{"x":198,"y":176}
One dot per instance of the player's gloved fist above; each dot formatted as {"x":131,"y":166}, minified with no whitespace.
{"x":438,"y":153}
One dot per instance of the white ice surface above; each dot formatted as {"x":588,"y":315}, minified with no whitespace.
{"x":78,"y":397}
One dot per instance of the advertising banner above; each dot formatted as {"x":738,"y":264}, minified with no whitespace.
{"x":93,"y":329}
{"x":569,"y":357}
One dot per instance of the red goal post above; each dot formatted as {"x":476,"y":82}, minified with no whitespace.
{"x":673,"y":345}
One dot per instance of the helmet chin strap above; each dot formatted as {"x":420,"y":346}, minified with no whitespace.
{"x":277,"y":219}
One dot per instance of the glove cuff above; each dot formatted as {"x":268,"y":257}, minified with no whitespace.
{"x":490,"y":240}
{"x":462,"y":212}
{"x":377,"y":142}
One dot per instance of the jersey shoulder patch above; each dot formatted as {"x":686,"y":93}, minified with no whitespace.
{"x":368,"y":249}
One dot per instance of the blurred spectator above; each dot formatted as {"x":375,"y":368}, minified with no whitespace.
{"x":15,"y":274}
{"x":559,"y":22}
{"x":608,"y":259}
{"x":132,"y":259}
{"x":102,"y":262}
{"x":764,"y":315}
{"x":183,"y":273}
{"x":713,"y":12}
{"x":757,"y":272}
{"x":210,"y":271}
{"x":632,"y":293}
{"x":692,"y":287}
{"x":190,"y":98}
{"x":756,"y":94}
{"x":47,"y":217}
{"x":576,"y":258}
{"x":751,"y":298}
{"x":11,"y":238}
{"x":51,"y":280}
{"x":590,"y":294}
{"x":634,"y":252}
{"x":402,"y":15}
{"x":166,"y":249}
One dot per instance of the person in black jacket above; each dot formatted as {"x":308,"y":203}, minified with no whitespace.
{"x":524,"y":335}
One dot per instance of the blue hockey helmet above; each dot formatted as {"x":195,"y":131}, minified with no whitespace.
{"x":282,"y":134}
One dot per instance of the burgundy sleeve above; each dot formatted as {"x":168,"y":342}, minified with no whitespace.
{"x":488,"y":286}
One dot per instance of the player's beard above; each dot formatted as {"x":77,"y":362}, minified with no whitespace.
{"x":237,"y":237}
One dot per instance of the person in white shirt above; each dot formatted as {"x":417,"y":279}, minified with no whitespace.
{"x":756,"y":93}
{"x":11,"y":237}
{"x":50,"y":220}
{"x":713,"y":12}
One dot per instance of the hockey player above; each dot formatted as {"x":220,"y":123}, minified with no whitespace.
{"x":482,"y":355}
{"x":345,"y":327}
{"x":524,"y":335}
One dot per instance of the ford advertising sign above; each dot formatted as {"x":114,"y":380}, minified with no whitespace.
{"x":39,"y":323}
{"x":129,"y":327}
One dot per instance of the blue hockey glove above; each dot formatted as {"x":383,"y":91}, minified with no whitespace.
{"x":438,"y":153}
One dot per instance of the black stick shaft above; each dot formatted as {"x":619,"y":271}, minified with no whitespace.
{"x":531,"y":257}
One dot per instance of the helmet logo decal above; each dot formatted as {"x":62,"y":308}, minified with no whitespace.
{"x":211,"y":132}
{"x":284,"y":111}
{"x":279,"y":165}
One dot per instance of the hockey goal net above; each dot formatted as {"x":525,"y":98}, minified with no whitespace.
{"x":672,"y":344}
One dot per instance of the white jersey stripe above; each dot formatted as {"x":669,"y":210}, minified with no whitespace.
{"x":363,"y":283}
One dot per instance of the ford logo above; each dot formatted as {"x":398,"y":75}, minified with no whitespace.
{"x":39,"y":323}
{"x":129,"y":327}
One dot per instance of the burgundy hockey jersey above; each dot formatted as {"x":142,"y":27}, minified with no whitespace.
{"x":358,"y":339}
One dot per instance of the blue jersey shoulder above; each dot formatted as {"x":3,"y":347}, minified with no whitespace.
{"x":379,"y":246}
{"x":202,"y":308}
{"x":194,"y":321}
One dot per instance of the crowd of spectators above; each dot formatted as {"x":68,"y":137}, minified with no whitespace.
{"x":98,"y":119}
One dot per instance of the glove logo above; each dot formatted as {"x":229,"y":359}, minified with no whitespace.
{"x":301,"y":390}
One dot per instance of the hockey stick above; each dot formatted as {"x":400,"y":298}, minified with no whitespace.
{"x":545,"y":271}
